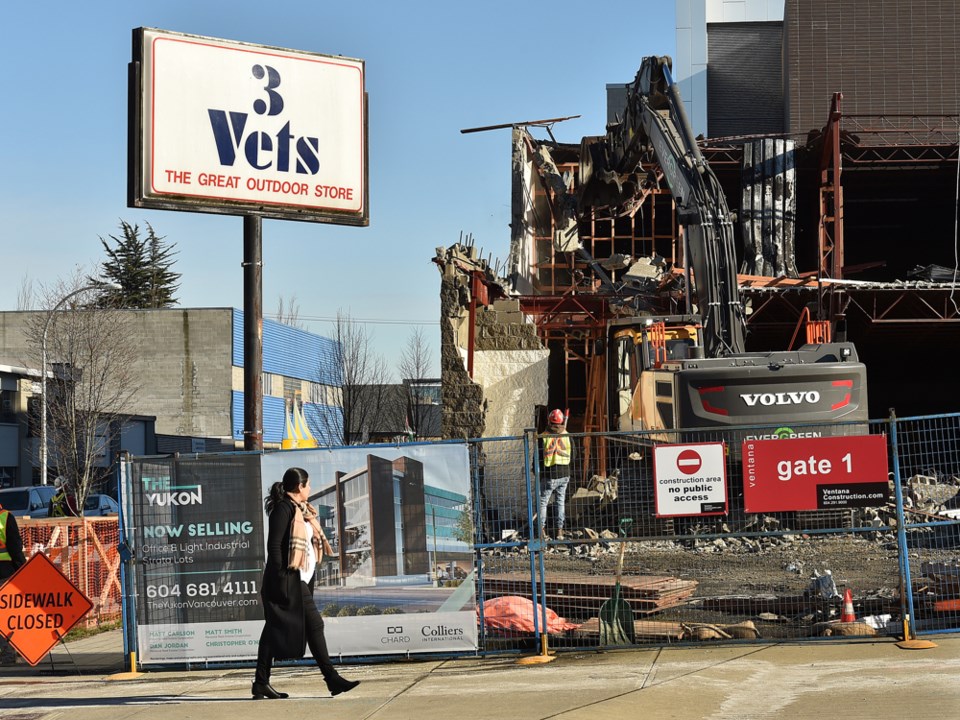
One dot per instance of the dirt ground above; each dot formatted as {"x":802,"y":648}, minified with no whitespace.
{"x":787,"y":584}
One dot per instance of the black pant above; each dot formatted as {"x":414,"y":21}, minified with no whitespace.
{"x":313,"y":626}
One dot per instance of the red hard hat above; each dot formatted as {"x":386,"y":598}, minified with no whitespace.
{"x":555,"y":417}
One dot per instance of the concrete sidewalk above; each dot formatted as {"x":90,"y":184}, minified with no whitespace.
{"x":87,"y":680}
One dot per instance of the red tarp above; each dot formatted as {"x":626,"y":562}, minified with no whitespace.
{"x":516,"y":613}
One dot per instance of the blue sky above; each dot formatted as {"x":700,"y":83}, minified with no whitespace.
{"x":432,"y":68}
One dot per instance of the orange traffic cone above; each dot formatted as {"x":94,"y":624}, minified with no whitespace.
{"x":848,"y":615}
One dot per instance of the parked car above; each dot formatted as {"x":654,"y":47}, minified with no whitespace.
{"x":31,"y":501}
{"x":100,"y":505}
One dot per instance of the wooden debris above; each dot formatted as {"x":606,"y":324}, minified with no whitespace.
{"x":848,"y":629}
{"x":653,"y":630}
{"x":647,"y":594}
{"x":667,"y":632}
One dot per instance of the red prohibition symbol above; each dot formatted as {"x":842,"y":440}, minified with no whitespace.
{"x":689,"y":462}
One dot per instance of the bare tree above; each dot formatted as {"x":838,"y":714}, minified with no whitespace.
{"x":288,"y":312}
{"x":27,"y":295}
{"x":414,"y":368}
{"x":88,"y":348}
{"x":364,"y":387}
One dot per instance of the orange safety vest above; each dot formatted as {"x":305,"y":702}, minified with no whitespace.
{"x":4,"y":553}
{"x":556,"y":451}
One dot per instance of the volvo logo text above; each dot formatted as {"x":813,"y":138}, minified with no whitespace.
{"x":781,"y":398}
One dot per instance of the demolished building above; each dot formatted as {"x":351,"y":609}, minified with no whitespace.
{"x":849,"y":219}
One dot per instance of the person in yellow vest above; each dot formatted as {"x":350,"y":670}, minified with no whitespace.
{"x":557,"y":455}
{"x":64,"y":502}
{"x":11,"y":558}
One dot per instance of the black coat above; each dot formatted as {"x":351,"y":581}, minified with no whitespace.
{"x":281,"y":590}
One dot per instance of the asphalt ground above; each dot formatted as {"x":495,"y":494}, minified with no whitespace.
{"x":848,"y":680}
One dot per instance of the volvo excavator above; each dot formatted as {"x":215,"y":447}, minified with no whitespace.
{"x":669,"y":373}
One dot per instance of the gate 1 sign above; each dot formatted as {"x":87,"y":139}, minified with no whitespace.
{"x":38,"y":606}
{"x":237,"y":128}
{"x":815,"y":473}
{"x":690,"y":479}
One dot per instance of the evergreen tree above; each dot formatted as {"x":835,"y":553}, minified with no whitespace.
{"x":141,"y":266}
{"x":163,"y":282}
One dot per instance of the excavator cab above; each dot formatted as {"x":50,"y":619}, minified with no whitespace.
{"x":640,"y":349}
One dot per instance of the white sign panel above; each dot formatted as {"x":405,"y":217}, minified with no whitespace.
{"x":233,"y":127}
{"x":690,"y":479}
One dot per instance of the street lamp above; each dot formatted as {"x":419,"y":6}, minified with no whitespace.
{"x":43,"y":370}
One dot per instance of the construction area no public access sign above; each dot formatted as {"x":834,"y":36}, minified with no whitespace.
{"x":690,"y":479}
{"x":38,"y":606}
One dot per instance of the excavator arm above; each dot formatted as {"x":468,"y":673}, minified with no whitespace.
{"x":655,"y":127}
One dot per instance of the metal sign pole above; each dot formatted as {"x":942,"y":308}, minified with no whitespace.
{"x":252,"y":332}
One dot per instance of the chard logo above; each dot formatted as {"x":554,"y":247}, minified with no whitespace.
{"x":262,"y":150}
{"x":810,"y":397}
{"x":186,"y":495}
{"x":394,"y":636}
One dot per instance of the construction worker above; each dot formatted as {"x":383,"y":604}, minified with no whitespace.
{"x":11,"y":558}
{"x":557,"y":457}
{"x":64,"y":502}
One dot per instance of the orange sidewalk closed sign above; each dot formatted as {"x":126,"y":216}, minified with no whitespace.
{"x":38,"y":606}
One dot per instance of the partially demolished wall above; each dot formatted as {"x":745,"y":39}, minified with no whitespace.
{"x":509,"y":362}
{"x":489,"y":335}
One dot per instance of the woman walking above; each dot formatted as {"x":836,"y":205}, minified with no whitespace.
{"x":295,"y":544}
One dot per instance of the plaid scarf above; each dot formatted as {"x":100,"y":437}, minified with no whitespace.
{"x":305,"y":513}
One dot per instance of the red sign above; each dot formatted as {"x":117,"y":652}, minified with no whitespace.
{"x":689,"y":462}
{"x":38,"y":606}
{"x":815,"y":473}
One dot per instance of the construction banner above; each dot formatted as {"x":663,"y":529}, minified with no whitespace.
{"x":198,"y":541}
{"x":400,"y":579}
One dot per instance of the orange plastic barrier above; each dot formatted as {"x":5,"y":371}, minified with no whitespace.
{"x":85,"y":550}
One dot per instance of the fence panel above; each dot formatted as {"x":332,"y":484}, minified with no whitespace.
{"x":506,"y":559}
{"x":732,"y":575}
{"x":928,"y":455}
{"x":729,"y":573}
{"x":86,"y":552}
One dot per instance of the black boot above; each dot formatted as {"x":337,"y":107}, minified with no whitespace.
{"x":265,"y":690}
{"x":337,"y":685}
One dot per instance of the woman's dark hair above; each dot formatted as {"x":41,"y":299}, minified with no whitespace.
{"x":293,"y":479}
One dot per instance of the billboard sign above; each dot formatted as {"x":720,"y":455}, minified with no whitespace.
{"x":230,"y":127}
{"x":827,"y":473}
{"x":690,"y":479}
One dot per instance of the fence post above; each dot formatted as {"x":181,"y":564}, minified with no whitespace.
{"x":535,"y":545}
{"x":909,"y":641}
{"x":477,"y":457}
